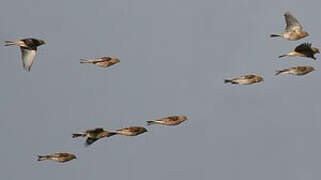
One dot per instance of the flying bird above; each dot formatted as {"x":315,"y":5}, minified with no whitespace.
{"x":246,"y":79}
{"x":131,"y":131}
{"x":58,"y":157}
{"x":299,"y":70}
{"x":293,"y":29}
{"x":28,"y":49}
{"x":303,"y":50}
{"x":170,"y":121}
{"x":101,"y":62}
{"x":93,"y":135}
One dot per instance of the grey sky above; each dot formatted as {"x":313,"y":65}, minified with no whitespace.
{"x":173,"y":56}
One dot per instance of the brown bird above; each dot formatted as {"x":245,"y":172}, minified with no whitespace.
{"x":58,"y":157}
{"x":101,"y":62}
{"x":131,"y":131}
{"x":246,"y":79}
{"x":170,"y":121}
{"x":28,"y":49}
{"x":303,"y":50}
{"x":293,"y":29}
{"x":93,"y":135}
{"x":299,"y":70}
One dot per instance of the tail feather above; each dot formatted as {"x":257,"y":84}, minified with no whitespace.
{"x":228,"y":81}
{"x":284,"y":55}
{"x":77,"y":135}
{"x":280,"y":71}
{"x":10,"y":43}
{"x":85,"y":61}
{"x":42,"y":158}
{"x":276,"y":35}
{"x":150,"y":122}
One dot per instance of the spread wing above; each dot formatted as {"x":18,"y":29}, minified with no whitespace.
{"x":292,"y":24}
{"x":28,"y":56}
{"x":89,"y":141}
{"x":304,"y":48}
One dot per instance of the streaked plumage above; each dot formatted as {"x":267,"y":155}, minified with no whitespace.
{"x":93,"y":135}
{"x":58,"y":157}
{"x":246,"y":79}
{"x":28,"y":49}
{"x":303,"y":50}
{"x":131,"y":131}
{"x":170,"y":121}
{"x":293,"y":29}
{"x":298,"y":70}
{"x":101,"y":62}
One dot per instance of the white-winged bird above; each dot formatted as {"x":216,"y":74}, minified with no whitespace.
{"x":93,"y":135}
{"x":58,"y":157}
{"x":170,"y":121}
{"x":101,"y":62}
{"x":298,"y":70}
{"x":28,"y":49}
{"x":293,"y":29}
{"x":246,"y":79}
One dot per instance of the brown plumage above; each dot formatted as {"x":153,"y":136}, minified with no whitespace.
{"x":101,"y":62}
{"x":303,"y":50}
{"x":293,"y":29}
{"x":131,"y":131}
{"x":246,"y":79}
{"x":170,"y":121}
{"x":58,"y":157}
{"x":28,"y":49}
{"x":298,"y":70}
{"x":93,"y":135}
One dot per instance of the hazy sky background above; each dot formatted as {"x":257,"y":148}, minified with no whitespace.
{"x":173,"y":56}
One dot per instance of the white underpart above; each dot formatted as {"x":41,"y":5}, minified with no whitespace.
{"x":28,"y":56}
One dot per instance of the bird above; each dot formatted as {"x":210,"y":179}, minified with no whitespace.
{"x":246,"y":79}
{"x":298,"y":70}
{"x":101,"y":62}
{"x":170,"y":121}
{"x":131,"y":131}
{"x":303,"y":50}
{"x":28,"y":47}
{"x":93,"y":135}
{"x":58,"y":157}
{"x":293,"y":29}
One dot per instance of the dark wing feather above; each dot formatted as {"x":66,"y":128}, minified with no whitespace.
{"x":89,"y":141}
{"x":304,"y":48}
{"x":292,"y":23}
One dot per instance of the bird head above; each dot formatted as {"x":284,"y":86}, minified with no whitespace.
{"x":258,"y":79}
{"x":315,"y":50}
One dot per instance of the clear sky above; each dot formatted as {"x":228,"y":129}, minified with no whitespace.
{"x":173,"y":56}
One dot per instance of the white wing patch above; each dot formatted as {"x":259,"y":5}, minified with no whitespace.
{"x":28,"y":56}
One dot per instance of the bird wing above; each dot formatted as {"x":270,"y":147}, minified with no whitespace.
{"x":292,"y":23}
{"x":89,"y":141}
{"x":304,"y":48}
{"x":247,"y":76}
{"x":171,"y":118}
{"x":28,"y":56}
{"x":58,"y":155}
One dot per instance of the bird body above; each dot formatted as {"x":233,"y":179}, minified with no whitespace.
{"x":93,"y":135}
{"x":303,"y":50}
{"x":131,"y":131}
{"x":298,"y":70}
{"x":170,"y":121}
{"x":101,"y":62}
{"x":58,"y":157}
{"x":28,"y":49}
{"x":245,"y":80}
{"x":293,"y":30}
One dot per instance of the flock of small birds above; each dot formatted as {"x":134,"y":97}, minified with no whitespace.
{"x":293,"y":31}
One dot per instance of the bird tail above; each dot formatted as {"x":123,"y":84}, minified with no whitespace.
{"x":150,"y":122}
{"x":111,"y":134}
{"x":85,"y":61}
{"x":10,"y":43}
{"x":276,"y":35}
{"x":77,"y":135}
{"x":280,"y":71}
{"x":228,"y":81}
{"x":284,"y":55}
{"x":41,"y":158}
